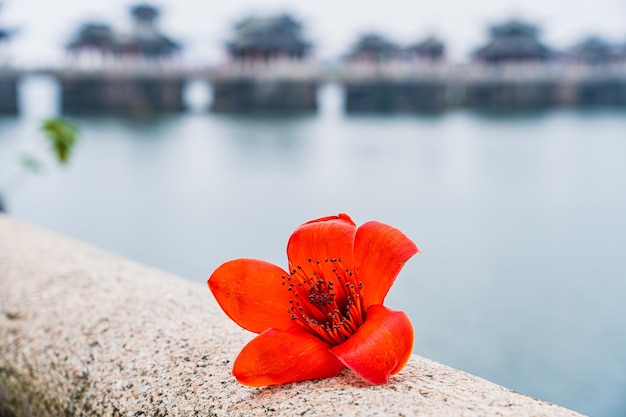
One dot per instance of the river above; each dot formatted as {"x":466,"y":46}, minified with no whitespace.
{"x":521,"y":218}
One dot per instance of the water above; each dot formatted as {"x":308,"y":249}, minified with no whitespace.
{"x":521,"y":219}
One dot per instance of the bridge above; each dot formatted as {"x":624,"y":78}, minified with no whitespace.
{"x":292,"y":86}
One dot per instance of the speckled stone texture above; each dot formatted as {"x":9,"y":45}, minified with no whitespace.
{"x":83,"y":332}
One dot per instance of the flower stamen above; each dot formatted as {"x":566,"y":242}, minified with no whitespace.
{"x":329,"y":307}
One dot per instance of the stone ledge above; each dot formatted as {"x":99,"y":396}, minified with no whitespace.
{"x":83,"y":332}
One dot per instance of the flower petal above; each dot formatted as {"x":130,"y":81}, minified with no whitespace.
{"x":282,"y":356}
{"x":380,"y":347}
{"x":251,"y":293}
{"x":380,"y":252}
{"x":321,"y":239}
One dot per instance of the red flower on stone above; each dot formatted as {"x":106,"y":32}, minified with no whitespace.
{"x":327,"y":311}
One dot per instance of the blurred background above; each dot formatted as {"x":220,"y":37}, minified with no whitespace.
{"x":492,"y":133}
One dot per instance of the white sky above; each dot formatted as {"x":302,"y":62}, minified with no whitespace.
{"x":333,"y":25}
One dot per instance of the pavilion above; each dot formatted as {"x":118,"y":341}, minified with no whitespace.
{"x":145,"y":41}
{"x":373,"y":48}
{"x":268,"y":38}
{"x":430,"y":49}
{"x":513,"y":41}
{"x":595,"y":51}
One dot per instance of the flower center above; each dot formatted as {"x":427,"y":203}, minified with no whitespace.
{"x":326,"y":299}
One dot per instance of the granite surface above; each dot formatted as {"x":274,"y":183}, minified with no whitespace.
{"x":84,"y":332}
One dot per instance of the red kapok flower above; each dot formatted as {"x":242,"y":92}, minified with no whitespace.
{"x":326,"y":312}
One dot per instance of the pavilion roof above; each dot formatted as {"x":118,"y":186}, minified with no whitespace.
{"x":92,"y":33}
{"x":428,"y":45}
{"x":513,"y":39}
{"x":5,"y":34}
{"x":144,"y":10}
{"x":514,"y":27}
{"x":272,"y":32}
{"x":594,"y":48}
{"x":373,"y":43}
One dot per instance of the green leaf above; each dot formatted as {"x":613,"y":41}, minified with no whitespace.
{"x":31,"y":163}
{"x":62,"y":136}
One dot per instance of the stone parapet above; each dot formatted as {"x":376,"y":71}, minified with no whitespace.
{"x":84,"y":332}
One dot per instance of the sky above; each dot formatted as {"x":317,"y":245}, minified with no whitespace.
{"x":333,"y":25}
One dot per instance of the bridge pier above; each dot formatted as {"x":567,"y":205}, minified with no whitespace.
{"x":512,"y":95}
{"x":250,"y":94}
{"x":602,"y":92}
{"x":8,"y":92}
{"x":135,"y":94}
{"x":391,"y":96}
